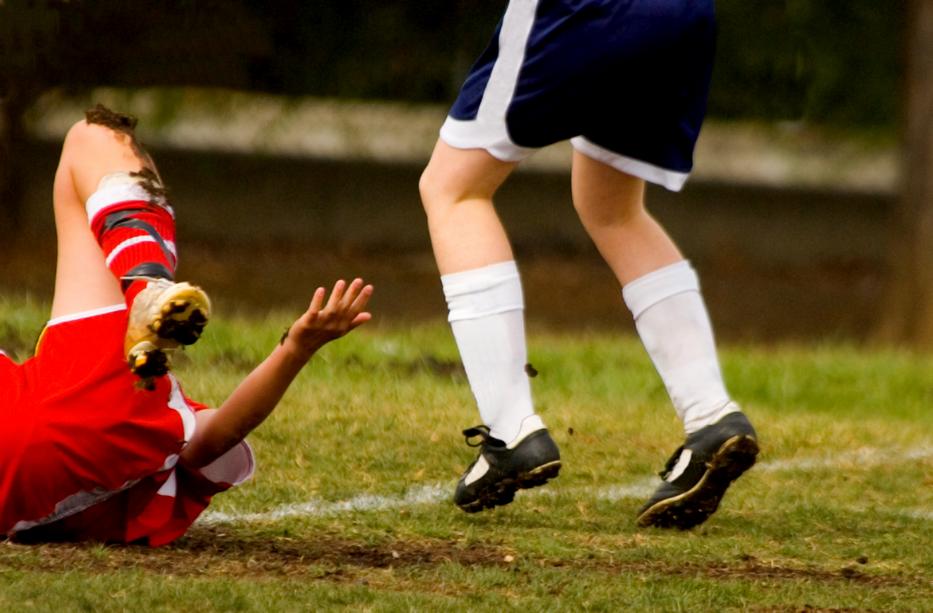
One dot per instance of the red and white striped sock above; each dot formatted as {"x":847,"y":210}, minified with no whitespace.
{"x":135,"y":230}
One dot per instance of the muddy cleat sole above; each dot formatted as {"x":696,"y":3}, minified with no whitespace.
{"x":500,"y":471}
{"x":699,"y":473}
{"x":165,"y":316}
{"x":147,"y":361}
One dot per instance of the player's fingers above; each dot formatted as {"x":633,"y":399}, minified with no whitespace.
{"x":361,"y":318}
{"x":353,"y":291}
{"x":336,"y":294}
{"x":361,"y":299}
{"x":317,"y":300}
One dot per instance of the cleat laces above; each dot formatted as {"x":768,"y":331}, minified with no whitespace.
{"x":481,"y":431}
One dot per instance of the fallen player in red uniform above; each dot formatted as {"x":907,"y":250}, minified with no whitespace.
{"x":98,"y":441}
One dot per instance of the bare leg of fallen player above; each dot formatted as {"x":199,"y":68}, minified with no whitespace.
{"x":82,"y":280}
{"x":116,"y":242}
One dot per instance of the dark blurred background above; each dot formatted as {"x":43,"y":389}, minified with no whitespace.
{"x":780,"y":259}
{"x":837,"y":62}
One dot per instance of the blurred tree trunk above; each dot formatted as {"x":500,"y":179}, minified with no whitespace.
{"x":909,"y":313}
{"x":10,"y":174}
{"x":6,"y":220}
{"x":28,"y":38}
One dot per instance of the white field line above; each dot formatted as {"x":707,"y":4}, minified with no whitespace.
{"x":865,"y":456}
{"x":427,"y":494}
{"x":640,"y":488}
{"x":918,"y":514}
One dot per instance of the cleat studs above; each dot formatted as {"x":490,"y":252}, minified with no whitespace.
{"x":174,"y":307}
{"x":168,"y":316}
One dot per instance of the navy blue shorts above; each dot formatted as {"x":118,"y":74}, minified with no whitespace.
{"x":625,"y":80}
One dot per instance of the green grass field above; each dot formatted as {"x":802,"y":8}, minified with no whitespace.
{"x":350,"y":508}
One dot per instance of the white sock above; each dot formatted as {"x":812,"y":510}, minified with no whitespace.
{"x":487,"y":318}
{"x":673,"y":324}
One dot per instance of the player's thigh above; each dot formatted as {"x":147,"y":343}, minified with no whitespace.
{"x":602,"y":194}
{"x":82,"y":280}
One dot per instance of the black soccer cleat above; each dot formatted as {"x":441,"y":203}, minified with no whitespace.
{"x":699,"y":473}
{"x":499,"y":471}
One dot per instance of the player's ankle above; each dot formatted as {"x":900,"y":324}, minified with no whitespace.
{"x":512,"y":432}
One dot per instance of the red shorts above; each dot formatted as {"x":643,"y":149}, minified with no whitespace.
{"x":79,"y":435}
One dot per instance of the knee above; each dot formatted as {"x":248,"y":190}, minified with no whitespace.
{"x":84,"y":137}
{"x":444,"y":185}
{"x":437,"y":188}
{"x":91,"y":151}
{"x":78,"y":134}
{"x":457,"y":176}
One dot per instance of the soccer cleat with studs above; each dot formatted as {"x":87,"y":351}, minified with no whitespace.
{"x":501,"y":470}
{"x":165,"y":316}
{"x":697,"y":476}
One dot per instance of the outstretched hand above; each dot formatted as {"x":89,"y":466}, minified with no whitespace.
{"x":256,"y":396}
{"x":326,"y":321}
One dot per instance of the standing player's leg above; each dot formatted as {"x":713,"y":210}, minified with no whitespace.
{"x":663,"y":293}
{"x":611,"y":207}
{"x":484,"y":297}
{"x":113,"y":221}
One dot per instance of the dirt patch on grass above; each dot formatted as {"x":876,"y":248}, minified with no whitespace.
{"x":743,"y":569}
{"x":756,"y":570}
{"x":333,"y":550}
{"x":206,"y":552}
{"x":807,"y":609}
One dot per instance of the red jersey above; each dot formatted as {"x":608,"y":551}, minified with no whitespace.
{"x":85,"y":453}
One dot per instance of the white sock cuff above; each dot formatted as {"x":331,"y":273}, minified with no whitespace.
{"x":650,"y":289}
{"x":489,"y":290}
{"x":119,"y":187}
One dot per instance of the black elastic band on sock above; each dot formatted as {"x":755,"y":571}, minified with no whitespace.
{"x":153,"y":270}
{"x":125,"y":219}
